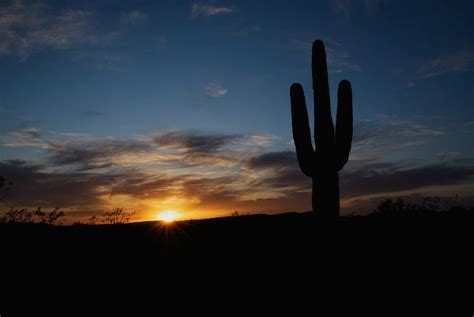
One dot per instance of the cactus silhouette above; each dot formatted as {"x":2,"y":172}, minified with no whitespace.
{"x":332,"y":148}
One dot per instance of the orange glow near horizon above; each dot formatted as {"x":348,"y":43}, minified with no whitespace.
{"x":168,"y":216}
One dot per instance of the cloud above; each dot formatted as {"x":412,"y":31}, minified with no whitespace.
{"x":216,"y":90}
{"x":134,"y":17}
{"x":375,"y":136}
{"x":460,"y":61}
{"x":260,"y":140}
{"x":27,"y":27}
{"x":193,"y":141}
{"x":98,"y":154}
{"x":175,"y":149}
{"x":197,"y":148}
{"x":32,"y":187}
{"x":282,"y":171}
{"x":448,"y":156}
{"x":342,"y":7}
{"x":210,"y":10}
{"x":346,"y":7}
{"x":25,"y":137}
{"x":209,"y":172}
{"x":82,"y":172}
{"x":274,"y":160}
{"x":278,"y":171}
{"x":396,"y":178}
{"x":392,"y":126}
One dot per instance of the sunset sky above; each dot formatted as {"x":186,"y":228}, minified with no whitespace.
{"x":184,"y":105}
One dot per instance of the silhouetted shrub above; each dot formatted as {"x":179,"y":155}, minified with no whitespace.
{"x":432,"y":205}
{"x":52,"y":218}
{"x":117,"y":216}
{"x":93,"y":220}
{"x":17,"y":216}
{"x":24,"y":216}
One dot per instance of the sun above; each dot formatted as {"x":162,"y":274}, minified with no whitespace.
{"x":168,"y":216}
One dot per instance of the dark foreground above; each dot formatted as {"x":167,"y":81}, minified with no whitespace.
{"x":364,"y":257}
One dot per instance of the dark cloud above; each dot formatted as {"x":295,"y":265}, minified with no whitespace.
{"x":197,"y":148}
{"x":272,"y":160}
{"x":34,"y":187}
{"x":96,"y":154}
{"x":193,"y":149}
{"x":374,"y":136}
{"x":282,"y":170}
{"x":373,"y":178}
{"x":194,"y":142}
{"x":393,"y":178}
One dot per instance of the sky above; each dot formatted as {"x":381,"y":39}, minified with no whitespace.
{"x":184,"y":105}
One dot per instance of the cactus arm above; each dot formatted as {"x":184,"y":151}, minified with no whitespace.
{"x":323,"y":126}
{"x":301,"y":130}
{"x":343,"y":124}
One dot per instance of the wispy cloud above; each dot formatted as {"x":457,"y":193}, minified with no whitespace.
{"x":460,"y":61}
{"x":26,"y":27}
{"x":25,"y":137}
{"x":345,"y":7}
{"x":199,"y":9}
{"x":200,"y":171}
{"x":342,"y":7}
{"x":216,"y":89}
{"x":374,"y":137}
{"x":400,"y":177}
{"x":176,"y":149}
{"x":134,"y":17}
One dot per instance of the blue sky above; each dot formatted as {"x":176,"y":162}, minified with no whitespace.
{"x":182,"y":104}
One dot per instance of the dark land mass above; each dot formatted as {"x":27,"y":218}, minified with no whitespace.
{"x":299,"y":253}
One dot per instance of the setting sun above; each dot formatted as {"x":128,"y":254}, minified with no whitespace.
{"x":167,"y":216}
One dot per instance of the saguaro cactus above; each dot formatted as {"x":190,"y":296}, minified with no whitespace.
{"x":332,"y":148}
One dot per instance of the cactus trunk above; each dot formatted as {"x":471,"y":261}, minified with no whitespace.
{"x":332,"y":146}
{"x":325,"y":196}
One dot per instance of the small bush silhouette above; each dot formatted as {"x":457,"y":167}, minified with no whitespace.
{"x":17,"y":216}
{"x":332,"y":148}
{"x":117,"y":216}
{"x":428,"y":206}
{"x":93,"y":220}
{"x":53,"y":217}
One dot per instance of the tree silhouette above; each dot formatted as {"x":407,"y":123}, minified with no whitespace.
{"x":332,"y":148}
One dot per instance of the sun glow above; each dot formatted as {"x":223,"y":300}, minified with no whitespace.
{"x":167,"y":216}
